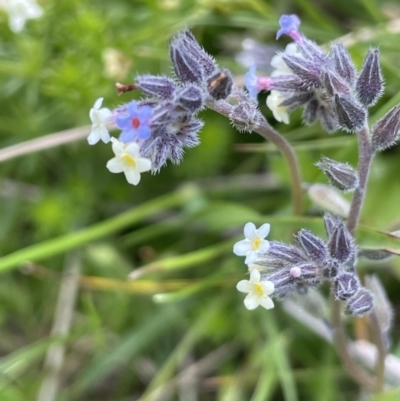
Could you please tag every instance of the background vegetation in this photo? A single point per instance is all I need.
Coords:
(179, 330)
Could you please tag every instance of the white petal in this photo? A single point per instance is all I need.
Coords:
(244, 286)
(242, 247)
(116, 165)
(133, 149)
(94, 136)
(268, 287)
(264, 246)
(117, 146)
(251, 257)
(132, 176)
(250, 231)
(251, 301)
(143, 164)
(104, 115)
(255, 276)
(97, 103)
(292, 50)
(266, 302)
(16, 23)
(104, 134)
(263, 231)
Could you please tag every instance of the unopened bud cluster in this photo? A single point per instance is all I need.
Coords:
(309, 263)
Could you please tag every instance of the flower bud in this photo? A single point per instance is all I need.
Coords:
(329, 199)
(360, 303)
(190, 98)
(219, 85)
(385, 131)
(331, 268)
(151, 85)
(313, 246)
(330, 222)
(190, 44)
(309, 72)
(245, 116)
(280, 255)
(341, 175)
(369, 85)
(343, 63)
(351, 116)
(346, 285)
(186, 67)
(309, 273)
(334, 84)
(341, 244)
(284, 282)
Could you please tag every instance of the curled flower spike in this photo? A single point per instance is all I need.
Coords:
(99, 116)
(127, 160)
(289, 26)
(254, 244)
(258, 291)
(134, 122)
(255, 84)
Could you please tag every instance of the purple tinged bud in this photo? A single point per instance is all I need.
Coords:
(340, 175)
(310, 273)
(161, 87)
(288, 254)
(190, 98)
(328, 118)
(313, 246)
(186, 67)
(307, 71)
(245, 116)
(360, 303)
(334, 84)
(341, 244)
(386, 131)
(346, 285)
(219, 85)
(343, 63)
(289, 82)
(331, 268)
(289, 26)
(190, 44)
(369, 85)
(330, 222)
(310, 112)
(351, 115)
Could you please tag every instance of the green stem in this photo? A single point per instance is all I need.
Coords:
(267, 132)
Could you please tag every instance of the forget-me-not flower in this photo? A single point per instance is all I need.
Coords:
(100, 116)
(134, 122)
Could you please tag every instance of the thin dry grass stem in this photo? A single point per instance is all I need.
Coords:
(61, 326)
(44, 142)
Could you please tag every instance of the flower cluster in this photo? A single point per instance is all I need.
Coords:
(165, 122)
(327, 86)
(282, 269)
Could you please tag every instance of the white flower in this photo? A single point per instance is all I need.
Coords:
(279, 64)
(127, 160)
(254, 244)
(274, 99)
(21, 10)
(257, 290)
(99, 117)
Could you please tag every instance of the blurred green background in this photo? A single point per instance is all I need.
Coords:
(180, 330)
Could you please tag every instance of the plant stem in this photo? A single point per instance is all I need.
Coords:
(340, 341)
(382, 350)
(267, 132)
(366, 155)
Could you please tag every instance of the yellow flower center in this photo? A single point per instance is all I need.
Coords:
(258, 289)
(256, 243)
(129, 160)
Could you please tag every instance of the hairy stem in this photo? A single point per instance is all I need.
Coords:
(267, 132)
(366, 155)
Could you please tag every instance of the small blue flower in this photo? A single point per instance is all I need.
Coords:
(134, 122)
(289, 26)
(251, 81)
